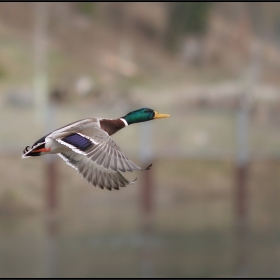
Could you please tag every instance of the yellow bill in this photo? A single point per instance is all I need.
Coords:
(159, 115)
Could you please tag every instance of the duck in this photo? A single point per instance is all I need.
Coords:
(87, 146)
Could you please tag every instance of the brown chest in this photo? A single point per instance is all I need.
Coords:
(111, 126)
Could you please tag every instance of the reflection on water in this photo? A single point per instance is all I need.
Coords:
(98, 233)
(29, 249)
(21, 247)
(205, 247)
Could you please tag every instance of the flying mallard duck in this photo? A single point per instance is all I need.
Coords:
(86, 145)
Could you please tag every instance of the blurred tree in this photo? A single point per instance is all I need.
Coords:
(87, 8)
(186, 18)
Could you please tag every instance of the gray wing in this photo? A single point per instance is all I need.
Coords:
(93, 173)
(108, 154)
(96, 144)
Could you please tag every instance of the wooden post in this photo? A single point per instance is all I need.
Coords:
(51, 185)
(44, 112)
(147, 201)
(242, 163)
(241, 197)
(40, 81)
(147, 182)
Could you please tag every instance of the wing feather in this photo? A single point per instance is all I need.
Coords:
(97, 145)
(93, 173)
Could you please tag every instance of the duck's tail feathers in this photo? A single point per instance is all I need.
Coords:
(35, 151)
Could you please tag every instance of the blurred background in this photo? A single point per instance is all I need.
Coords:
(209, 206)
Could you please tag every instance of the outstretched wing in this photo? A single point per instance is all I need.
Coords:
(91, 151)
(96, 145)
(94, 173)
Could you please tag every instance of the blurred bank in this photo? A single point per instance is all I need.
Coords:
(209, 205)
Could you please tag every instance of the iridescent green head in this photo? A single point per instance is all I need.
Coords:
(143, 115)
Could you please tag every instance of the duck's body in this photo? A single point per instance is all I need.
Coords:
(86, 145)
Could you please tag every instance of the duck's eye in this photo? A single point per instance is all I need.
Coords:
(146, 111)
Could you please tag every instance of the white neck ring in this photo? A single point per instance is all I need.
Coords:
(124, 121)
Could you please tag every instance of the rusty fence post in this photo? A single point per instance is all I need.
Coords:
(147, 202)
(241, 186)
